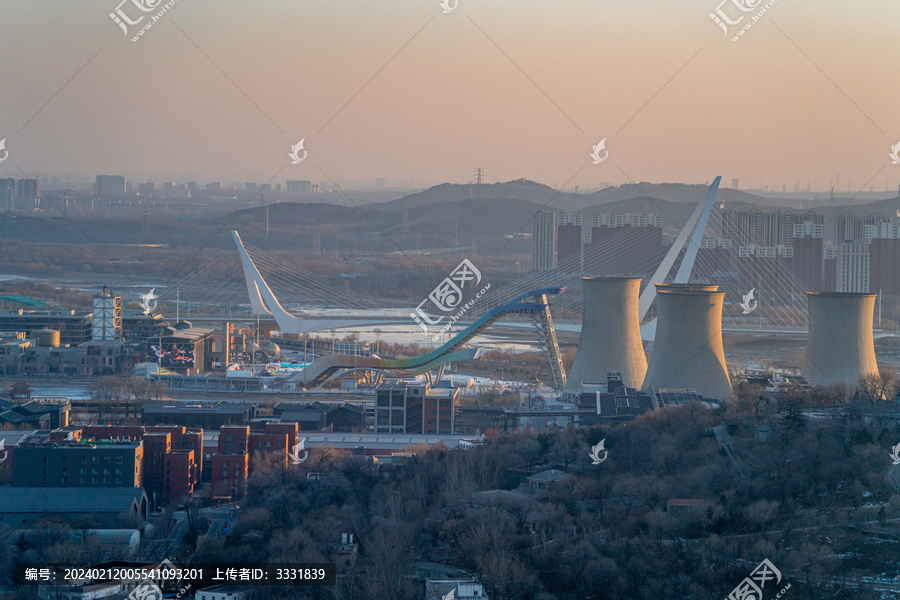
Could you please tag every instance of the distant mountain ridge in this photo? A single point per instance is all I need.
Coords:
(540, 194)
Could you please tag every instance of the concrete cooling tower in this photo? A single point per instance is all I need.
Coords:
(610, 333)
(841, 345)
(688, 352)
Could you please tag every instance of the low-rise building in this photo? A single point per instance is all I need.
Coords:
(229, 474)
(77, 464)
(614, 402)
(180, 468)
(103, 357)
(309, 417)
(186, 350)
(414, 407)
(680, 505)
(348, 417)
(74, 327)
(268, 443)
(35, 415)
(546, 479)
(52, 360)
(186, 439)
(198, 415)
(343, 554)
(138, 327)
(107, 506)
(170, 466)
(12, 351)
(462, 588)
(222, 592)
(233, 439)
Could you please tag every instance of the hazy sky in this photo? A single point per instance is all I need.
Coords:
(522, 88)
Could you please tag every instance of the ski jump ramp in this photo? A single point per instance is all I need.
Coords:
(533, 303)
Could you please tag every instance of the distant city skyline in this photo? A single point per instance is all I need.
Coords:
(410, 94)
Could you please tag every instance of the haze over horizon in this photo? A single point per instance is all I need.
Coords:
(221, 91)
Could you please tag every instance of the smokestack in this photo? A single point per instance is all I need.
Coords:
(841, 346)
(610, 333)
(688, 351)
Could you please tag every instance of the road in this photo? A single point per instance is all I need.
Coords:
(176, 535)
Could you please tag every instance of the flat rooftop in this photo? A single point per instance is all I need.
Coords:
(351, 441)
(220, 407)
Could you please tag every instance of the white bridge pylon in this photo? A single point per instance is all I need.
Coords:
(264, 302)
(694, 228)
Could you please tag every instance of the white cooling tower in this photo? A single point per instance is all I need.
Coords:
(688, 351)
(610, 333)
(841, 346)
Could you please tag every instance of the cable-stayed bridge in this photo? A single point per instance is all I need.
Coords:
(301, 302)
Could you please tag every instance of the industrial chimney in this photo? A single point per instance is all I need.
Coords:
(688, 352)
(610, 333)
(841, 346)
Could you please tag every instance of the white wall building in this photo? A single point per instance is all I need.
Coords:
(853, 267)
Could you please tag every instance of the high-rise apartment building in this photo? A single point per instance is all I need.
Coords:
(543, 241)
(298, 188)
(568, 239)
(624, 243)
(849, 228)
(808, 260)
(884, 256)
(147, 189)
(853, 267)
(756, 227)
(7, 194)
(27, 194)
(112, 186)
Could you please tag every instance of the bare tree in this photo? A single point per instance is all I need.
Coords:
(876, 387)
